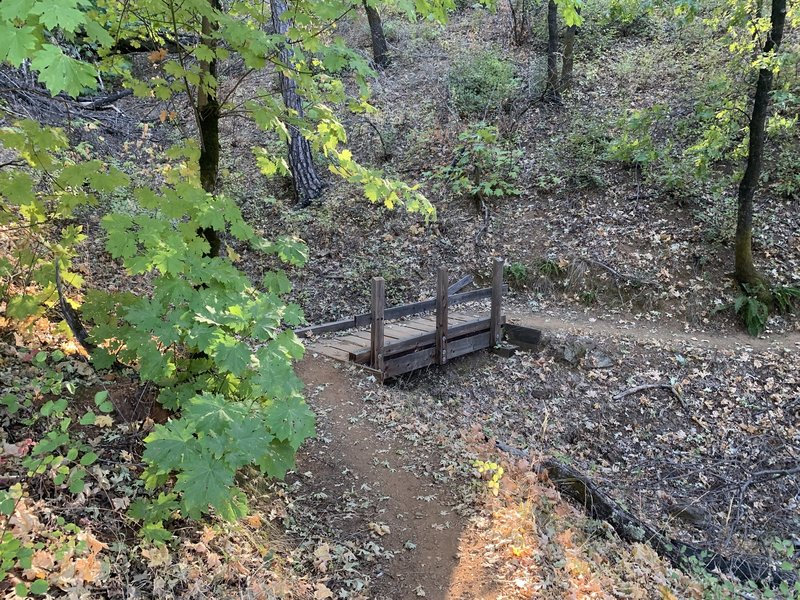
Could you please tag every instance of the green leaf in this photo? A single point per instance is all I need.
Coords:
(275, 377)
(7, 504)
(61, 73)
(21, 590)
(277, 282)
(277, 459)
(39, 586)
(249, 438)
(167, 444)
(120, 243)
(77, 483)
(231, 355)
(293, 315)
(62, 14)
(204, 480)
(290, 344)
(290, 420)
(16, 43)
(11, 403)
(155, 532)
(23, 306)
(212, 413)
(88, 459)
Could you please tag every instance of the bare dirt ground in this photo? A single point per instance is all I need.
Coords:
(380, 488)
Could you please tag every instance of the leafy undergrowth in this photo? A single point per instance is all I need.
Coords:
(71, 461)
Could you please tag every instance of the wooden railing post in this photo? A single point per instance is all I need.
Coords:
(495, 329)
(441, 316)
(376, 326)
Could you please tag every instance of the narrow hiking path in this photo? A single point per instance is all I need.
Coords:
(378, 485)
(617, 326)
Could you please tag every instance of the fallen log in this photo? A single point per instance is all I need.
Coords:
(104, 102)
(570, 482)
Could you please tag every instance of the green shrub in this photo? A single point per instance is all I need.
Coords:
(218, 347)
(485, 166)
(480, 84)
(629, 17)
(634, 144)
(786, 298)
(517, 274)
(753, 312)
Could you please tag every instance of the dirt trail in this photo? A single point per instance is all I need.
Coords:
(644, 331)
(352, 455)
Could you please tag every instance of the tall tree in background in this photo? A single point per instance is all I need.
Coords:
(745, 271)
(551, 91)
(569, 55)
(307, 184)
(380, 49)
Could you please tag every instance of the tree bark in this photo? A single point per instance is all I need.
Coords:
(307, 184)
(520, 23)
(551, 85)
(208, 113)
(745, 271)
(380, 50)
(569, 57)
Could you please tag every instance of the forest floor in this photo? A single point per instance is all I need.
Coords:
(677, 461)
(631, 288)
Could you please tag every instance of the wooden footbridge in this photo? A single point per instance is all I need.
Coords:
(399, 342)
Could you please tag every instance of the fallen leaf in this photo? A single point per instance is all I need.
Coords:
(322, 591)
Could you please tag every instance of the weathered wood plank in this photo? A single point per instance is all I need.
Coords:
(441, 316)
(376, 327)
(424, 340)
(497, 300)
(331, 352)
(366, 335)
(409, 362)
(469, 344)
(329, 327)
(395, 312)
(460, 284)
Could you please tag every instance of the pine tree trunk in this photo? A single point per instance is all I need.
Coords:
(307, 184)
(745, 270)
(380, 50)
(208, 113)
(551, 85)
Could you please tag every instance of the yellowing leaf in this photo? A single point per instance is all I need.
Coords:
(103, 421)
(322, 591)
(156, 556)
(157, 55)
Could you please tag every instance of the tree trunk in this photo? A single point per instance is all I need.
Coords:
(551, 85)
(745, 270)
(520, 24)
(208, 113)
(307, 184)
(569, 57)
(380, 50)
